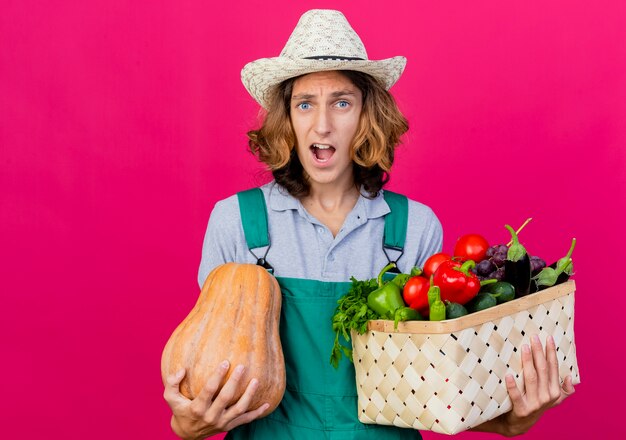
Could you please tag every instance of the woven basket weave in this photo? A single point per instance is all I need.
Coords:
(448, 376)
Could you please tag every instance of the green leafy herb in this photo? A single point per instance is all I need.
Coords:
(352, 313)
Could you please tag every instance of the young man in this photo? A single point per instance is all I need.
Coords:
(329, 138)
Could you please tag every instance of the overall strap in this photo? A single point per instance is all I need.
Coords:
(395, 224)
(254, 221)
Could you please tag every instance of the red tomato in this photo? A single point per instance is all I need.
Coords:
(471, 247)
(433, 262)
(415, 294)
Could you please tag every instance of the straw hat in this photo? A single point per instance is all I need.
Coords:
(322, 40)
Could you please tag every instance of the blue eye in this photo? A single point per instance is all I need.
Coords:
(304, 106)
(343, 104)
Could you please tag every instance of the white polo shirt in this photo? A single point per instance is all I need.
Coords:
(302, 247)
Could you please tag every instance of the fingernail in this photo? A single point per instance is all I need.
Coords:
(551, 339)
(224, 365)
(239, 369)
(525, 348)
(536, 339)
(180, 373)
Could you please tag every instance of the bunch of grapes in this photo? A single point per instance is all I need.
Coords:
(493, 264)
(536, 264)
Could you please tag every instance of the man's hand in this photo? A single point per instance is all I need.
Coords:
(542, 390)
(211, 412)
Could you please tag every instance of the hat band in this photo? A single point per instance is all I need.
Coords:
(334, 57)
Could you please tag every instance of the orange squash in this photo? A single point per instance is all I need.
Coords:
(236, 317)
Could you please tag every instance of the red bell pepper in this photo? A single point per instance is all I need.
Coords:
(456, 282)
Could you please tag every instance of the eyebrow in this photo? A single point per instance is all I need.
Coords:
(337, 94)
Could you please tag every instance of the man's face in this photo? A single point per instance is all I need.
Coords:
(325, 109)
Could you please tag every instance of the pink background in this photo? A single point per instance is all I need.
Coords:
(122, 122)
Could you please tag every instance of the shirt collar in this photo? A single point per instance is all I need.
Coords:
(281, 200)
(376, 207)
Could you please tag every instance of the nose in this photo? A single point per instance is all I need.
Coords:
(322, 123)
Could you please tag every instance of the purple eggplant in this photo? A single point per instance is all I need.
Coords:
(557, 273)
(517, 269)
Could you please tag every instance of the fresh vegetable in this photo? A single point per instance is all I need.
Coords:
(455, 310)
(437, 308)
(434, 292)
(471, 247)
(415, 294)
(565, 264)
(501, 291)
(456, 282)
(482, 301)
(433, 262)
(549, 276)
(493, 265)
(516, 251)
(365, 301)
(517, 270)
(405, 314)
(387, 298)
(352, 313)
(519, 230)
(401, 279)
(447, 288)
(246, 302)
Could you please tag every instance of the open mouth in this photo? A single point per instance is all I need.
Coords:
(322, 152)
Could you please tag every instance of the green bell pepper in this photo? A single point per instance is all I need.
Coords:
(387, 298)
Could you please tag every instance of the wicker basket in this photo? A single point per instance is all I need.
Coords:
(448, 376)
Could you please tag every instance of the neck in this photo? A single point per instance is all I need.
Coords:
(331, 204)
(331, 198)
(337, 193)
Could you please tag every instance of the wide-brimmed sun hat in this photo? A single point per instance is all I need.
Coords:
(322, 40)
